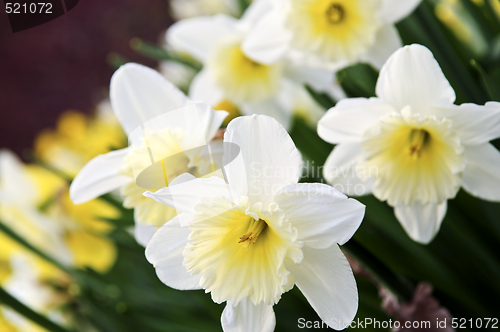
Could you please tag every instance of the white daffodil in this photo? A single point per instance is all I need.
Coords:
(329, 33)
(411, 146)
(182, 9)
(143, 100)
(19, 201)
(251, 239)
(230, 75)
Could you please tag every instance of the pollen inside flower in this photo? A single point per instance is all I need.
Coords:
(333, 30)
(156, 146)
(241, 254)
(335, 13)
(256, 227)
(241, 78)
(418, 159)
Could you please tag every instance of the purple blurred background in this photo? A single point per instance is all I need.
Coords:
(62, 64)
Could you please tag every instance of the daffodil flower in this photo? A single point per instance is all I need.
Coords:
(329, 33)
(230, 75)
(140, 96)
(182, 9)
(19, 200)
(252, 239)
(411, 146)
(70, 234)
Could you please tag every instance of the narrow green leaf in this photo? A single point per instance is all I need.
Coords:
(27, 312)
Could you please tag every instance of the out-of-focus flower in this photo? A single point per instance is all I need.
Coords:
(138, 95)
(178, 73)
(274, 88)
(36, 205)
(77, 139)
(422, 308)
(459, 20)
(31, 280)
(329, 33)
(253, 238)
(411, 146)
(40, 286)
(20, 199)
(182, 9)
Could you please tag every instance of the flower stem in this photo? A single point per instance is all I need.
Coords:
(448, 58)
(27, 312)
(14, 236)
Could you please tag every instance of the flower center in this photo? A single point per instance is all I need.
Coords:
(233, 269)
(419, 139)
(418, 158)
(256, 227)
(240, 78)
(335, 13)
(333, 30)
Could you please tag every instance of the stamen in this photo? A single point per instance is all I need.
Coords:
(335, 13)
(256, 227)
(419, 138)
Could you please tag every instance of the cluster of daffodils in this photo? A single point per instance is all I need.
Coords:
(223, 210)
(233, 219)
(35, 205)
(214, 178)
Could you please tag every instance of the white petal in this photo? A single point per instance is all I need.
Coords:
(481, 177)
(341, 170)
(326, 280)
(186, 195)
(475, 124)
(199, 35)
(164, 251)
(210, 120)
(139, 94)
(14, 183)
(203, 88)
(247, 317)
(393, 11)
(321, 214)
(255, 12)
(144, 233)
(413, 77)
(271, 159)
(101, 175)
(421, 222)
(269, 40)
(274, 107)
(387, 42)
(350, 118)
(319, 79)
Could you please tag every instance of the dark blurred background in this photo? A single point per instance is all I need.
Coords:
(64, 64)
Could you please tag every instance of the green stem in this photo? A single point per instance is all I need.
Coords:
(14, 236)
(27, 312)
(32, 157)
(484, 78)
(158, 53)
(449, 57)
